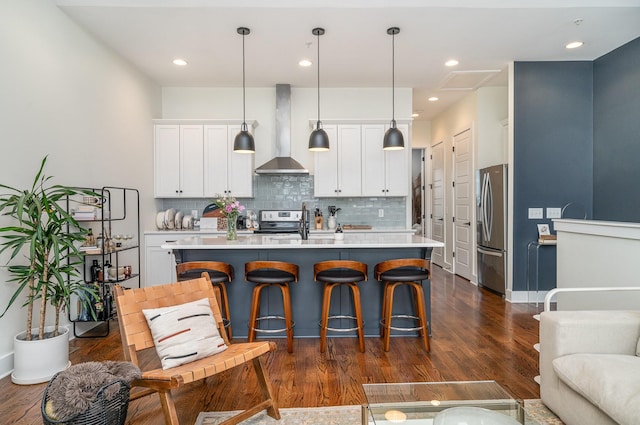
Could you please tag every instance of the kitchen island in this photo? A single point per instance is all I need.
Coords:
(306, 295)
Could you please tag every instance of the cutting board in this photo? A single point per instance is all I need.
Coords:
(356, 227)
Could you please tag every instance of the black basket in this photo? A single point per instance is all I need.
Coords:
(101, 411)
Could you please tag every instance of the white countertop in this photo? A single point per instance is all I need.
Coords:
(351, 240)
(250, 232)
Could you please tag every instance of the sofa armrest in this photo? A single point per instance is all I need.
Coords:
(596, 332)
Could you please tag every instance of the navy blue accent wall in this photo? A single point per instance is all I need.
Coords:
(616, 140)
(553, 152)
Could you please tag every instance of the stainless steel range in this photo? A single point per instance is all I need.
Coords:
(279, 221)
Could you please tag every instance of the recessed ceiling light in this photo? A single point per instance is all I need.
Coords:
(574, 45)
(451, 62)
(179, 62)
(433, 99)
(305, 63)
(415, 115)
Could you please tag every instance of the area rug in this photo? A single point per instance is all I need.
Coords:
(535, 414)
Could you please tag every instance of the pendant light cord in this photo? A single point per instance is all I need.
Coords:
(244, 114)
(393, 78)
(318, 45)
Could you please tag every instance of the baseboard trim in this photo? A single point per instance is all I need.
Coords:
(526, 297)
(6, 365)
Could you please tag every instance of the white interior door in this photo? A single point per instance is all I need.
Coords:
(437, 201)
(463, 204)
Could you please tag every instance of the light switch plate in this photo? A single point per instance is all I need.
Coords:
(554, 212)
(536, 213)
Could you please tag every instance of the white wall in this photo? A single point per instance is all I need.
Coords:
(336, 103)
(66, 95)
(483, 111)
(492, 112)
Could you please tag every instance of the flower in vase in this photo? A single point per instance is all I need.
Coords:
(230, 206)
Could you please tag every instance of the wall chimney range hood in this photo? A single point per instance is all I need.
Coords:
(283, 163)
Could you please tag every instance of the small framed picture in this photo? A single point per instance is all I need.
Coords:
(543, 229)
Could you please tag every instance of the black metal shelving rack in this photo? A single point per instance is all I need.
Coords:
(117, 206)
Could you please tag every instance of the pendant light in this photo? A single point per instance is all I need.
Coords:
(319, 140)
(393, 139)
(244, 142)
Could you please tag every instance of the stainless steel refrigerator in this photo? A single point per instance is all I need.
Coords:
(491, 201)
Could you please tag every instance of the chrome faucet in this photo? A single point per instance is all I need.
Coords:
(304, 223)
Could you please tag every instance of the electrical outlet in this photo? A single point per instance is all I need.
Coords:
(536, 213)
(194, 213)
(380, 213)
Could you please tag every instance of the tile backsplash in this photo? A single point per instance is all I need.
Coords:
(284, 191)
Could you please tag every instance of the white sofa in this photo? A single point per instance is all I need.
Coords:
(590, 366)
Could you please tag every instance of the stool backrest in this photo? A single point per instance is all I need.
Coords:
(277, 265)
(204, 266)
(339, 264)
(420, 263)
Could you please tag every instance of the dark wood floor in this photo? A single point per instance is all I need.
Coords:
(476, 336)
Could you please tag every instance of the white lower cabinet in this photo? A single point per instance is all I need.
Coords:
(160, 264)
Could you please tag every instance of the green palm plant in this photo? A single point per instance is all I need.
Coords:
(46, 236)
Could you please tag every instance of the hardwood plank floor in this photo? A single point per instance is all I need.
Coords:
(476, 336)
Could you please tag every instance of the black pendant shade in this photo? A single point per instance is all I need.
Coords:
(244, 142)
(319, 139)
(393, 139)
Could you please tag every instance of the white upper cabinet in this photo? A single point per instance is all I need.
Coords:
(178, 162)
(226, 172)
(338, 172)
(384, 173)
(197, 161)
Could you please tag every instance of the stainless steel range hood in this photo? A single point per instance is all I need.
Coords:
(283, 163)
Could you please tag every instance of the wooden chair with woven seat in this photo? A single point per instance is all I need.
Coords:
(136, 337)
(220, 274)
(404, 271)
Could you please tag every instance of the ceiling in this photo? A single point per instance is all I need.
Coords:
(356, 51)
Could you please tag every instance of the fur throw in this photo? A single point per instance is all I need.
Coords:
(72, 391)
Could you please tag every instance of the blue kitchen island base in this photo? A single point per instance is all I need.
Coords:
(306, 295)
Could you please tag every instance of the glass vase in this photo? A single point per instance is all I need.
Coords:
(232, 228)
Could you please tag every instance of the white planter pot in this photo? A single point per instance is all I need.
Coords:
(37, 361)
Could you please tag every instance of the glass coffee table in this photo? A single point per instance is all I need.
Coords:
(421, 402)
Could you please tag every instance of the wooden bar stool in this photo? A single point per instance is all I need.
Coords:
(407, 271)
(220, 274)
(336, 273)
(265, 274)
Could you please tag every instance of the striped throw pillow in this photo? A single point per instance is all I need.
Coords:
(184, 333)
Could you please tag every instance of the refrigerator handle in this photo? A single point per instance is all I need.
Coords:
(489, 208)
(492, 253)
(485, 217)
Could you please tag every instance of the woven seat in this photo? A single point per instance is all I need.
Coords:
(136, 336)
(406, 271)
(336, 273)
(219, 274)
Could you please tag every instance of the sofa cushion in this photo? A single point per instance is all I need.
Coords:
(184, 333)
(609, 381)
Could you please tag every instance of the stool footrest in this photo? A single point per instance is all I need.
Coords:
(338, 317)
(403, 329)
(271, 331)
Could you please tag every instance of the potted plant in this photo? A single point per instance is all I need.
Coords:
(43, 260)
